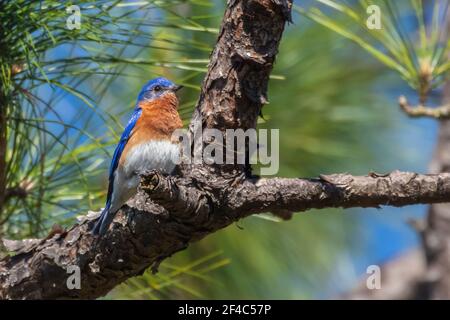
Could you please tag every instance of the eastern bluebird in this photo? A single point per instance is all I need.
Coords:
(145, 144)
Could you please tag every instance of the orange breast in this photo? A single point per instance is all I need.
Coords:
(159, 119)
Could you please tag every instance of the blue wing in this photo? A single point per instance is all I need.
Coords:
(106, 216)
(119, 149)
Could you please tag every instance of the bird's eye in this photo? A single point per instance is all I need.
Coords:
(157, 88)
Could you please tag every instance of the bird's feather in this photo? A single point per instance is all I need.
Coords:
(114, 163)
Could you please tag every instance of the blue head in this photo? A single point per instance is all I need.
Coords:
(156, 88)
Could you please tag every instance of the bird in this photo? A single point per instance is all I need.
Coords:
(145, 144)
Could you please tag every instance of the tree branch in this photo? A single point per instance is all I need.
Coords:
(145, 233)
(341, 190)
(442, 112)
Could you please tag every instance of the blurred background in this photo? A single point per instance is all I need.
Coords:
(69, 93)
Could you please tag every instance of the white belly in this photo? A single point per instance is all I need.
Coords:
(155, 155)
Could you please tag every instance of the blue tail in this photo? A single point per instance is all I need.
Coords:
(104, 221)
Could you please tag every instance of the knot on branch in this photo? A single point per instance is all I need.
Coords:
(339, 179)
(338, 185)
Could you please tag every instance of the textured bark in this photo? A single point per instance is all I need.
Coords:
(145, 233)
(235, 87)
(340, 190)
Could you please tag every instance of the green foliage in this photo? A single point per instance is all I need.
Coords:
(420, 60)
(174, 281)
(55, 84)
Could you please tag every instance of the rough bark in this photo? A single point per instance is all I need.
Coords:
(340, 190)
(235, 87)
(146, 232)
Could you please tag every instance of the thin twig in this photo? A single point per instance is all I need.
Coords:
(442, 112)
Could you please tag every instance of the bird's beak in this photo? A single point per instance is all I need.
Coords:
(176, 88)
